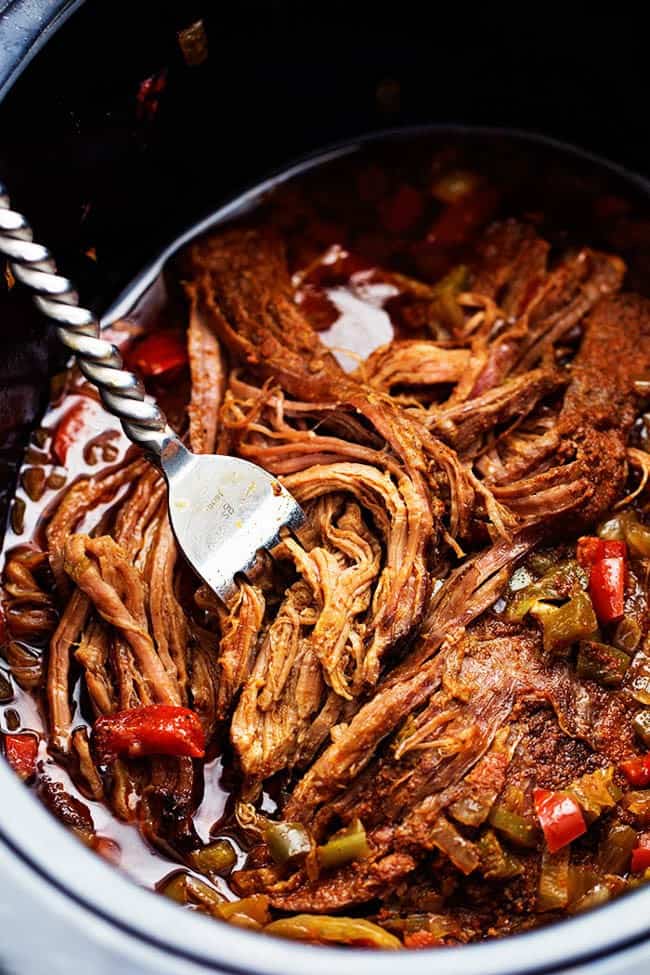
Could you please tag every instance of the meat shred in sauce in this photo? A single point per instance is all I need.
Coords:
(424, 721)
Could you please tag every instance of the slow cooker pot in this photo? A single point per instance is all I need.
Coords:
(102, 166)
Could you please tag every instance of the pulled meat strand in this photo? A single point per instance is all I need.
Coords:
(101, 570)
(208, 374)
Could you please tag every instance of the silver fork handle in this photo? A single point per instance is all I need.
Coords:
(79, 330)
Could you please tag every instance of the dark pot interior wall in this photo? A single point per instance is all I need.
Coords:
(100, 177)
(280, 80)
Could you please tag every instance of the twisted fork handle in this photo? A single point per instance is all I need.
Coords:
(79, 330)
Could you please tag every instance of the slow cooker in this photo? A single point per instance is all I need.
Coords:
(106, 168)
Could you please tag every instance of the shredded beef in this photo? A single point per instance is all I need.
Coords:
(369, 670)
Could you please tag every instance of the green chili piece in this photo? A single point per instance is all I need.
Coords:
(287, 842)
(249, 912)
(217, 859)
(638, 678)
(599, 894)
(321, 928)
(558, 583)
(564, 625)
(628, 635)
(638, 803)
(495, 861)
(513, 826)
(186, 889)
(612, 530)
(641, 724)
(615, 850)
(596, 792)
(553, 891)
(347, 845)
(602, 663)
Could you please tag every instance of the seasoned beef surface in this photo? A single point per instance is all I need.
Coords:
(390, 692)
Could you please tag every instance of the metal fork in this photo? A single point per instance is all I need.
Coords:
(223, 510)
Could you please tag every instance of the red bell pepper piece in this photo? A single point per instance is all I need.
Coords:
(459, 221)
(637, 770)
(560, 816)
(607, 570)
(591, 550)
(607, 588)
(154, 729)
(402, 210)
(421, 939)
(21, 752)
(74, 426)
(160, 353)
(641, 854)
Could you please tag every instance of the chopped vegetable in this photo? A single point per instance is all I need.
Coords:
(616, 849)
(288, 843)
(183, 888)
(459, 220)
(637, 770)
(607, 588)
(347, 845)
(495, 861)
(638, 538)
(155, 729)
(6, 690)
(461, 851)
(598, 895)
(641, 724)
(149, 94)
(441, 925)
(33, 481)
(18, 510)
(513, 826)
(582, 878)
(21, 752)
(638, 803)
(455, 185)
(421, 939)
(641, 854)
(628, 635)
(592, 550)
(627, 526)
(453, 282)
(564, 625)
(606, 559)
(595, 792)
(485, 780)
(12, 719)
(402, 210)
(559, 582)
(602, 663)
(553, 890)
(319, 928)
(217, 859)
(638, 677)
(160, 354)
(75, 427)
(249, 912)
(193, 42)
(560, 816)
